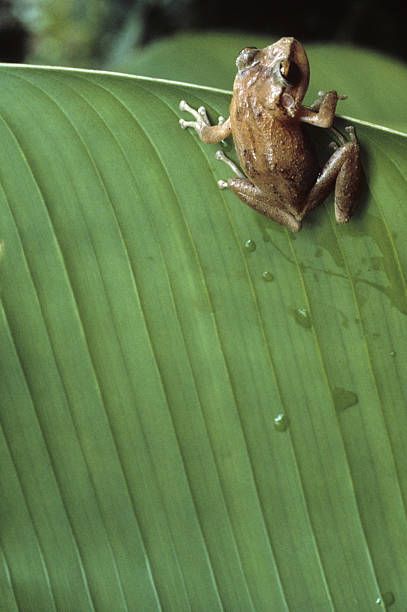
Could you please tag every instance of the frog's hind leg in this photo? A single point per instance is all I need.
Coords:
(253, 196)
(342, 170)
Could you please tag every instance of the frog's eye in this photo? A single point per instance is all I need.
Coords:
(290, 73)
(246, 58)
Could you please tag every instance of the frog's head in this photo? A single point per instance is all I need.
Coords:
(275, 77)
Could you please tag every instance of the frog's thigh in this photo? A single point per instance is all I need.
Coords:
(253, 196)
(343, 170)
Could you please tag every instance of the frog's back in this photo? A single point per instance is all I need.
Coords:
(275, 155)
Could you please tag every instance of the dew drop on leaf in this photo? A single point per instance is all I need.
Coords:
(387, 599)
(267, 276)
(303, 318)
(281, 422)
(250, 245)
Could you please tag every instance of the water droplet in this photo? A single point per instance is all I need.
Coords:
(250, 245)
(343, 398)
(302, 317)
(387, 599)
(392, 353)
(267, 276)
(281, 422)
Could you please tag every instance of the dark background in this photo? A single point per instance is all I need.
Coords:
(28, 26)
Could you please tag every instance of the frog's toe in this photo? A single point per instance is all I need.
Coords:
(184, 106)
(350, 130)
(203, 115)
(184, 124)
(342, 217)
(220, 156)
(295, 225)
(333, 145)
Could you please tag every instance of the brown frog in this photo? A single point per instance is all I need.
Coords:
(281, 177)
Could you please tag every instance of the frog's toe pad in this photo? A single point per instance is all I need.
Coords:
(350, 130)
(342, 217)
(222, 184)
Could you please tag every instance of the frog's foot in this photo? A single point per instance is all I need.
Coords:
(340, 138)
(208, 133)
(343, 171)
(315, 106)
(253, 196)
(200, 115)
(220, 156)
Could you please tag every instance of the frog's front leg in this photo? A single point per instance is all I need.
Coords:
(322, 112)
(342, 170)
(208, 133)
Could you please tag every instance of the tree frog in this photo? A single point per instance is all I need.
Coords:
(281, 176)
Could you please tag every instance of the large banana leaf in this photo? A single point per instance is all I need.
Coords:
(178, 431)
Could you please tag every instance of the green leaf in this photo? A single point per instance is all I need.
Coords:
(178, 432)
(376, 85)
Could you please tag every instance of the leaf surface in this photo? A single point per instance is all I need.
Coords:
(145, 359)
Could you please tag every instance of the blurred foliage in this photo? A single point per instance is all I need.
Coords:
(13, 35)
(65, 31)
(95, 33)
